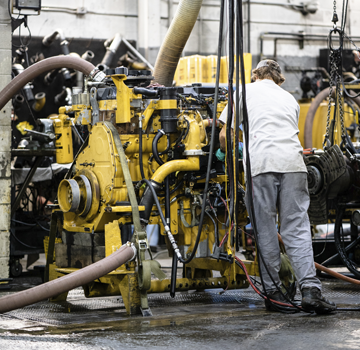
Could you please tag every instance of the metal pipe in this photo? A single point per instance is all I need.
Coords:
(189, 164)
(43, 66)
(111, 49)
(137, 53)
(73, 280)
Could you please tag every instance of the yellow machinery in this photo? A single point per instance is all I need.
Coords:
(313, 116)
(202, 69)
(102, 199)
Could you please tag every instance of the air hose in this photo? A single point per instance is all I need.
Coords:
(175, 40)
(73, 280)
(46, 65)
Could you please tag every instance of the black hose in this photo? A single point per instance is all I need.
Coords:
(230, 110)
(173, 275)
(157, 137)
(141, 152)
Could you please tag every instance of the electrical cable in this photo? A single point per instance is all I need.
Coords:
(141, 151)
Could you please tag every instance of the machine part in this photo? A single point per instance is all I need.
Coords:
(42, 137)
(328, 176)
(50, 77)
(86, 194)
(73, 280)
(18, 100)
(315, 180)
(69, 195)
(355, 218)
(137, 53)
(94, 105)
(97, 75)
(347, 245)
(40, 100)
(18, 69)
(88, 56)
(44, 66)
(168, 116)
(175, 40)
(111, 49)
(63, 143)
(57, 34)
(60, 98)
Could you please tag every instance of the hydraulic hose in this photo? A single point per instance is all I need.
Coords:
(73, 280)
(329, 271)
(41, 67)
(175, 40)
(154, 146)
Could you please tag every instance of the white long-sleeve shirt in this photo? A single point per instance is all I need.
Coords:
(273, 115)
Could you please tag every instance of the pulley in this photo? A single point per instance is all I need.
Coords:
(75, 195)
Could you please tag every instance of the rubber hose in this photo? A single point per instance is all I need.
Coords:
(68, 282)
(175, 40)
(39, 68)
(173, 275)
(154, 146)
(309, 121)
(329, 271)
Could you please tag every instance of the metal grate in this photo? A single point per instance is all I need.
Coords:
(78, 309)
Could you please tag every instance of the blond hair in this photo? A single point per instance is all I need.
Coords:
(268, 70)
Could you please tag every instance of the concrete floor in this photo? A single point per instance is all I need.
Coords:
(193, 320)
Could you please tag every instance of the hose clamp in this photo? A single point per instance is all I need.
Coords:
(97, 75)
(132, 246)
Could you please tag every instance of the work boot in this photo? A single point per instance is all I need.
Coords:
(312, 300)
(277, 296)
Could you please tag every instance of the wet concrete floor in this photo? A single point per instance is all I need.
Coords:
(193, 320)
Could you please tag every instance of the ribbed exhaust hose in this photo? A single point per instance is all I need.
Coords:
(41, 67)
(175, 40)
(68, 282)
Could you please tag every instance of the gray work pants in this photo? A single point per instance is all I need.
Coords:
(287, 192)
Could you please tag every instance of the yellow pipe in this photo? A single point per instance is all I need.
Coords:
(190, 164)
(40, 99)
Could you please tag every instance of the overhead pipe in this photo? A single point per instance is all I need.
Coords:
(57, 34)
(111, 47)
(73, 280)
(44, 66)
(175, 40)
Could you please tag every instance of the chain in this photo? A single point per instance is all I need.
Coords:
(331, 82)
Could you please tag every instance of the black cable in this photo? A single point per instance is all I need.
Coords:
(141, 153)
(157, 137)
(230, 111)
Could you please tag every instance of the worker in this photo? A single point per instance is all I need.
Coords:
(279, 182)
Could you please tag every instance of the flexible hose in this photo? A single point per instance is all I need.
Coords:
(157, 137)
(175, 40)
(321, 96)
(329, 271)
(39, 68)
(68, 282)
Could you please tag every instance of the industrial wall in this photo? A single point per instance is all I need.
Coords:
(147, 21)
